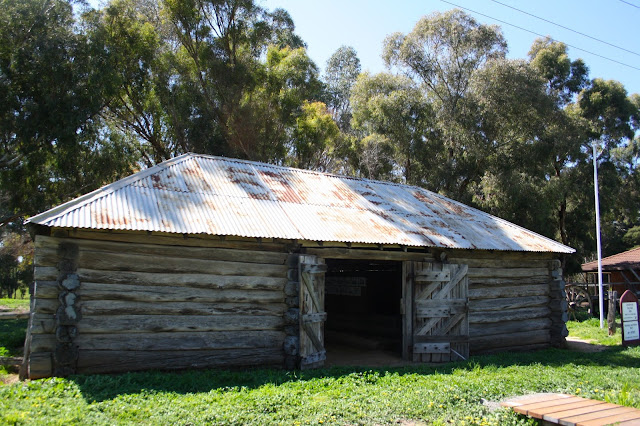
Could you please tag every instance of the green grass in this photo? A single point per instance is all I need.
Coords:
(7, 304)
(452, 393)
(590, 331)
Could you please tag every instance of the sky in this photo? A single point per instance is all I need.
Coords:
(363, 24)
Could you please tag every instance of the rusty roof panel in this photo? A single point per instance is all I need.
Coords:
(195, 194)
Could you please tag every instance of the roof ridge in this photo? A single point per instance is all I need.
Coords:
(315, 172)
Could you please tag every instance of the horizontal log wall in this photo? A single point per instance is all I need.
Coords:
(160, 303)
(509, 299)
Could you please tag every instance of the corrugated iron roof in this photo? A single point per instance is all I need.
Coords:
(629, 259)
(199, 194)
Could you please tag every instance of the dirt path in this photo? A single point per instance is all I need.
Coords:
(580, 345)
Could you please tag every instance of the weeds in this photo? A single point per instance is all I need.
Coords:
(453, 393)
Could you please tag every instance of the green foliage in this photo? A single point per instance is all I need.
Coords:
(12, 335)
(16, 264)
(393, 106)
(452, 393)
(341, 73)
(315, 138)
(54, 85)
(623, 396)
(565, 77)
(252, 104)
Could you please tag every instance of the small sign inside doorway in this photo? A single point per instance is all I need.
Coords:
(345, 286)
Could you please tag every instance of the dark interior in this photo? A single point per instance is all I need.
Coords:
(362, 301)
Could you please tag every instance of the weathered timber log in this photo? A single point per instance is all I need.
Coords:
(494, 282)
(531, 273)
(46, 290)
(498, 262)
(122, 361)
(511, 291)
(168, 239)
(224, 254)
(45, 306)
(10, 361)
(167, 323)
(125, 307)
(341, 244)
(45, 273)
(183, 279)
(99, 291)
(511, 340)
(148, 263)
(507, 303)
(42, 342)
(508, 315)
(507, 327)
(346, 253)
(184, 341)
(40, 365)
(13, 315)
(173, 279)
(455, 255)
(42, 323)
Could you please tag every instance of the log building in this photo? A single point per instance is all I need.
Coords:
(205, 261)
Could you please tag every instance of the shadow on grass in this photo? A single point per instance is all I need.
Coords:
(104, 387)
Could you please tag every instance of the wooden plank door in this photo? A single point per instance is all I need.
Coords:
(438, 322)
(312, 313)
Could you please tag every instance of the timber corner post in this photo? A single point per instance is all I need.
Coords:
(558, 305)
(292, 314)
(65, 356)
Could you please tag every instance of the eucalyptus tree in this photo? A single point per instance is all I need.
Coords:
(341, 73)
(611, 120)
(587, 111)
(441, 55)
(515, 113)
(222, 49)
(53, 86)
(394, 107)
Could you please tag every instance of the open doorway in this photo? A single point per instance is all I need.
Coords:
(364, 321)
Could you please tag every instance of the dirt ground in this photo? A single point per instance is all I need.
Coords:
(345, 355)
(579, 345)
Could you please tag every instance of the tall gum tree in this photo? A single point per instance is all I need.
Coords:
(441, 55)
(393, 106)
(341, 73)
(223, 46)
(53, 86)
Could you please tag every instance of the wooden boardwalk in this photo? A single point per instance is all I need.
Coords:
(571, 410)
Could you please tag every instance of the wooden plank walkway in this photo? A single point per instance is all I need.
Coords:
(568, 410)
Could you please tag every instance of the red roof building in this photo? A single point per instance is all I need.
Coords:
(621, 270)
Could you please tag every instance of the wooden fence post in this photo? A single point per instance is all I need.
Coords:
(611, 312)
